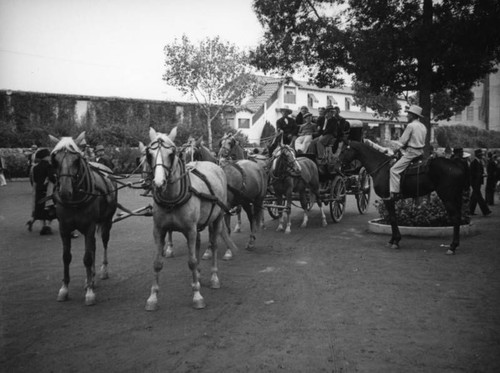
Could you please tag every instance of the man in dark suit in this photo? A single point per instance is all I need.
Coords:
(287, 127)
(476, 180)
(320, 122)
(101, 158)
(299, 119)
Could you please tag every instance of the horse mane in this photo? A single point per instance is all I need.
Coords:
(67, 143)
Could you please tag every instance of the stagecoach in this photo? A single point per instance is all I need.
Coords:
(337, 181)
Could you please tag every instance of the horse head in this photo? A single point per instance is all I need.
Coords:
(162, 155)
(284, 162)
(226, 144)
(70, 165)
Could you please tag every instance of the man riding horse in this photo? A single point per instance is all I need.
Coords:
(413, 142)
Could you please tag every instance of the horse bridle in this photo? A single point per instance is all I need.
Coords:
(227, 144)
(277, 174)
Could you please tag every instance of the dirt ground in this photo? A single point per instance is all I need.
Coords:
(332, 299)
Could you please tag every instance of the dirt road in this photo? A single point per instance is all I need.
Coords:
(332, 299)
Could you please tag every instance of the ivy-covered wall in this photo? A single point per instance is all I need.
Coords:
(28, 118)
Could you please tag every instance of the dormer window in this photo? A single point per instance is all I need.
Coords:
(290, 95)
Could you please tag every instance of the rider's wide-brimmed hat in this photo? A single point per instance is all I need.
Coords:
(416, 110)
(286, 109)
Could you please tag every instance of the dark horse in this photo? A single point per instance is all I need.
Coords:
(246, 183)
(86, 199)
(289, 174)
(443, 175)
(187, 199)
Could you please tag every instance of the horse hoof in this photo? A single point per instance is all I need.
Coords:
(250, 247)
(215, 283)
(90, 300)
(288, 231)
(104, 276)
(207, 255)
(228, 255)
(199, 304)
(302, 226)
(168, 254)
(279, 229)
(394, 246)
(62, 296)
(324, 223)
(151, 306)
(450, 252)
(237, 230)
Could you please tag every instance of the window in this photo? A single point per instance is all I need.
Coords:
(330, 100)
(347, 103)
(290, 95)
(458, 117)
(470, 113)
(311, 99)
(243, 123)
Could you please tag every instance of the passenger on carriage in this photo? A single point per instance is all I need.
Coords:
(301, 116)
(287, 127)
(320, 123)
(333, 133)
(413, 142)
(306, 131)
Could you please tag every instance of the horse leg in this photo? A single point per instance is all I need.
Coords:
(193, 262)
(89, 262)
(281, 221)
(252, 219)
(169, 250)
(454, 209)
(323, 216)
(159, 238)
(214, 231)
(396, 235)
(237, 227)
(303, 204)
(105, 229)
(225, 233)
(288, 212)
(66, 241)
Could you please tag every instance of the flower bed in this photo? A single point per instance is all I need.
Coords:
(377, 226)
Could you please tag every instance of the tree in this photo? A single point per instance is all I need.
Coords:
(214, 72)
(392, 47)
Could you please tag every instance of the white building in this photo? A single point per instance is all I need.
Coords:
(280, 92)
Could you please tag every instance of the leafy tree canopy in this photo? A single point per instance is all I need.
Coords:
(214, 72)
(392, 47)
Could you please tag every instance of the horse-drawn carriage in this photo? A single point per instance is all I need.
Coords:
(336, 182)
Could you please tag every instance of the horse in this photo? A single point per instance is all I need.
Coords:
(86, 199)
(192, 151)
(443, 175)
(187, 199)
(289, 174)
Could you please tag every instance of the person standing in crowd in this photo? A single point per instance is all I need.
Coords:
(3, 168)
(44, 178)
(491, 179)
(287, 127)
(412, 142)
(476, 181)
(344, 127)
(101, 158)
(300, 119)
(320, 123)
(306, 131)
(32, 160)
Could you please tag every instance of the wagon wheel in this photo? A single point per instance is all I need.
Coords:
(274, 212)
(364, 191)
(338, 198)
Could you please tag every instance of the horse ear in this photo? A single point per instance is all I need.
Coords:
(173, 134)
(152, 134)
(80, 138)
(54, 139)
(142, 147)
(198, 142)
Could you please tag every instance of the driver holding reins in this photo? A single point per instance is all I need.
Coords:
(413, 142)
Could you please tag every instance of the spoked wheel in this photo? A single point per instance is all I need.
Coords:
(274, 212)
(338, 198)
(364, 191)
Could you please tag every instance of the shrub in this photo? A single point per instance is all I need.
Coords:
(430, 212)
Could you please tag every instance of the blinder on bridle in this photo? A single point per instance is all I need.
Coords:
(156, 145)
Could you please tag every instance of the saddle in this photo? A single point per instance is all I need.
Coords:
(418, 166)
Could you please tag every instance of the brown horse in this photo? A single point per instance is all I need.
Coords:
(443, 175)
(86, 199)
(289, 174)
(186, 200)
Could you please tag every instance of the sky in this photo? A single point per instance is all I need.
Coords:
(109, 47)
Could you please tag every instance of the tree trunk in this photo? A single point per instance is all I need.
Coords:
(209, 129)
(425, 70)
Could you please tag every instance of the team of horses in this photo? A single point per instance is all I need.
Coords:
(193, 189)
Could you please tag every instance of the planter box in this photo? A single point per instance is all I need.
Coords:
(375, 226)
